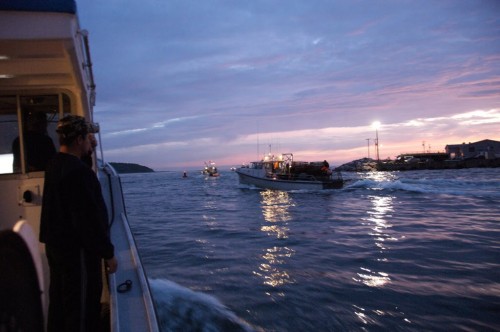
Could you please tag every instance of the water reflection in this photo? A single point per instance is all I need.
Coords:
(382, 211)
(275, 210)
(373, 279)
(275, 205)
(211, 193)
(378, 220)
(380, 176)
(270, 270)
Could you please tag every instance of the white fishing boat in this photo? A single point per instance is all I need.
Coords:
(283, 173)
(210, 169)
(45, 68)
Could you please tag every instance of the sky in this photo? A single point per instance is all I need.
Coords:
(181, 82)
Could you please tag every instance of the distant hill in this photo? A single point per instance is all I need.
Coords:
(130, 168)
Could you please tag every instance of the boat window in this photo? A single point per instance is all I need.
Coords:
(27, 146)
(8, 132)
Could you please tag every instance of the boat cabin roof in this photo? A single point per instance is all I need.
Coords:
(55, 6)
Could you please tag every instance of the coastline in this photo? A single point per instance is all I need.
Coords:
(367, 165)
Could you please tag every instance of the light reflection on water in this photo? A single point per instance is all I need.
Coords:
(270, 270)
(382, 211)
(275, 210)
(380, 177)
(378, 221)
(276, 205)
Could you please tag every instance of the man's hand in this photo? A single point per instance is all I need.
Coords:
(111, 265)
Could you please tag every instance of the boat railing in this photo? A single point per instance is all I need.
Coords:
(304, 176)
(138, 302)
(87, 66)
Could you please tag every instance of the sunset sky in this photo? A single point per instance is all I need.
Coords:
(183, 82)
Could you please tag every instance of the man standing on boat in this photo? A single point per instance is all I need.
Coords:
(74, 228)
(326, 167)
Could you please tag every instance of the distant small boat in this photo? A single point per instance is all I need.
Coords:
(210, 169)
(282, 173)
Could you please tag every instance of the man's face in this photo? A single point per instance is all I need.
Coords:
(93, 141)
(84, 145)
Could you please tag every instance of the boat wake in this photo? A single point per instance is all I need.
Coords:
(388, 185)
(181, 309)
(427, 186)
(249, 186)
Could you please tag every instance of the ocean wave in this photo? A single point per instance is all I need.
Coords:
(181, 309)
(388, 185)
(249, 187)
(429, 186)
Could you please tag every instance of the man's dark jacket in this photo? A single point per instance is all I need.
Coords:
(74, 214)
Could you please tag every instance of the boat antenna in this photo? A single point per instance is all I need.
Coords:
(258, 142)
(100, 147)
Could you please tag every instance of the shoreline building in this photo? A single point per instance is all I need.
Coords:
(488, 149)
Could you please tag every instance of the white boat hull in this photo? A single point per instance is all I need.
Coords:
(258, 178)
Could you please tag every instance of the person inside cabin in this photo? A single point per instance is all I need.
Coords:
(74, 228)
(39, 148)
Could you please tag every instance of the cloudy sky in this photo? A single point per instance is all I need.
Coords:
(181, 82)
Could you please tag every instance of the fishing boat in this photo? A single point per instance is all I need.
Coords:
(283, 173)
(46, 69)
(210, 169)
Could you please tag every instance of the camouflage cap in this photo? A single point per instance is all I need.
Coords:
(74, 125)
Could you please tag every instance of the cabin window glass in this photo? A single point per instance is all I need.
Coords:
(9, 128)
(65, 106)
(39, 116)
(27, 147)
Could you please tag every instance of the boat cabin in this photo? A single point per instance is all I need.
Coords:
(284, 167)
(46, 74)
(28, 130)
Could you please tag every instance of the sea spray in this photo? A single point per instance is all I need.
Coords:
(181, 309)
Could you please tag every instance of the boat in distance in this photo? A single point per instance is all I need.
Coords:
(210, 169)
(283, 173)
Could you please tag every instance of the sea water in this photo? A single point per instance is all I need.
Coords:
(392, 251)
